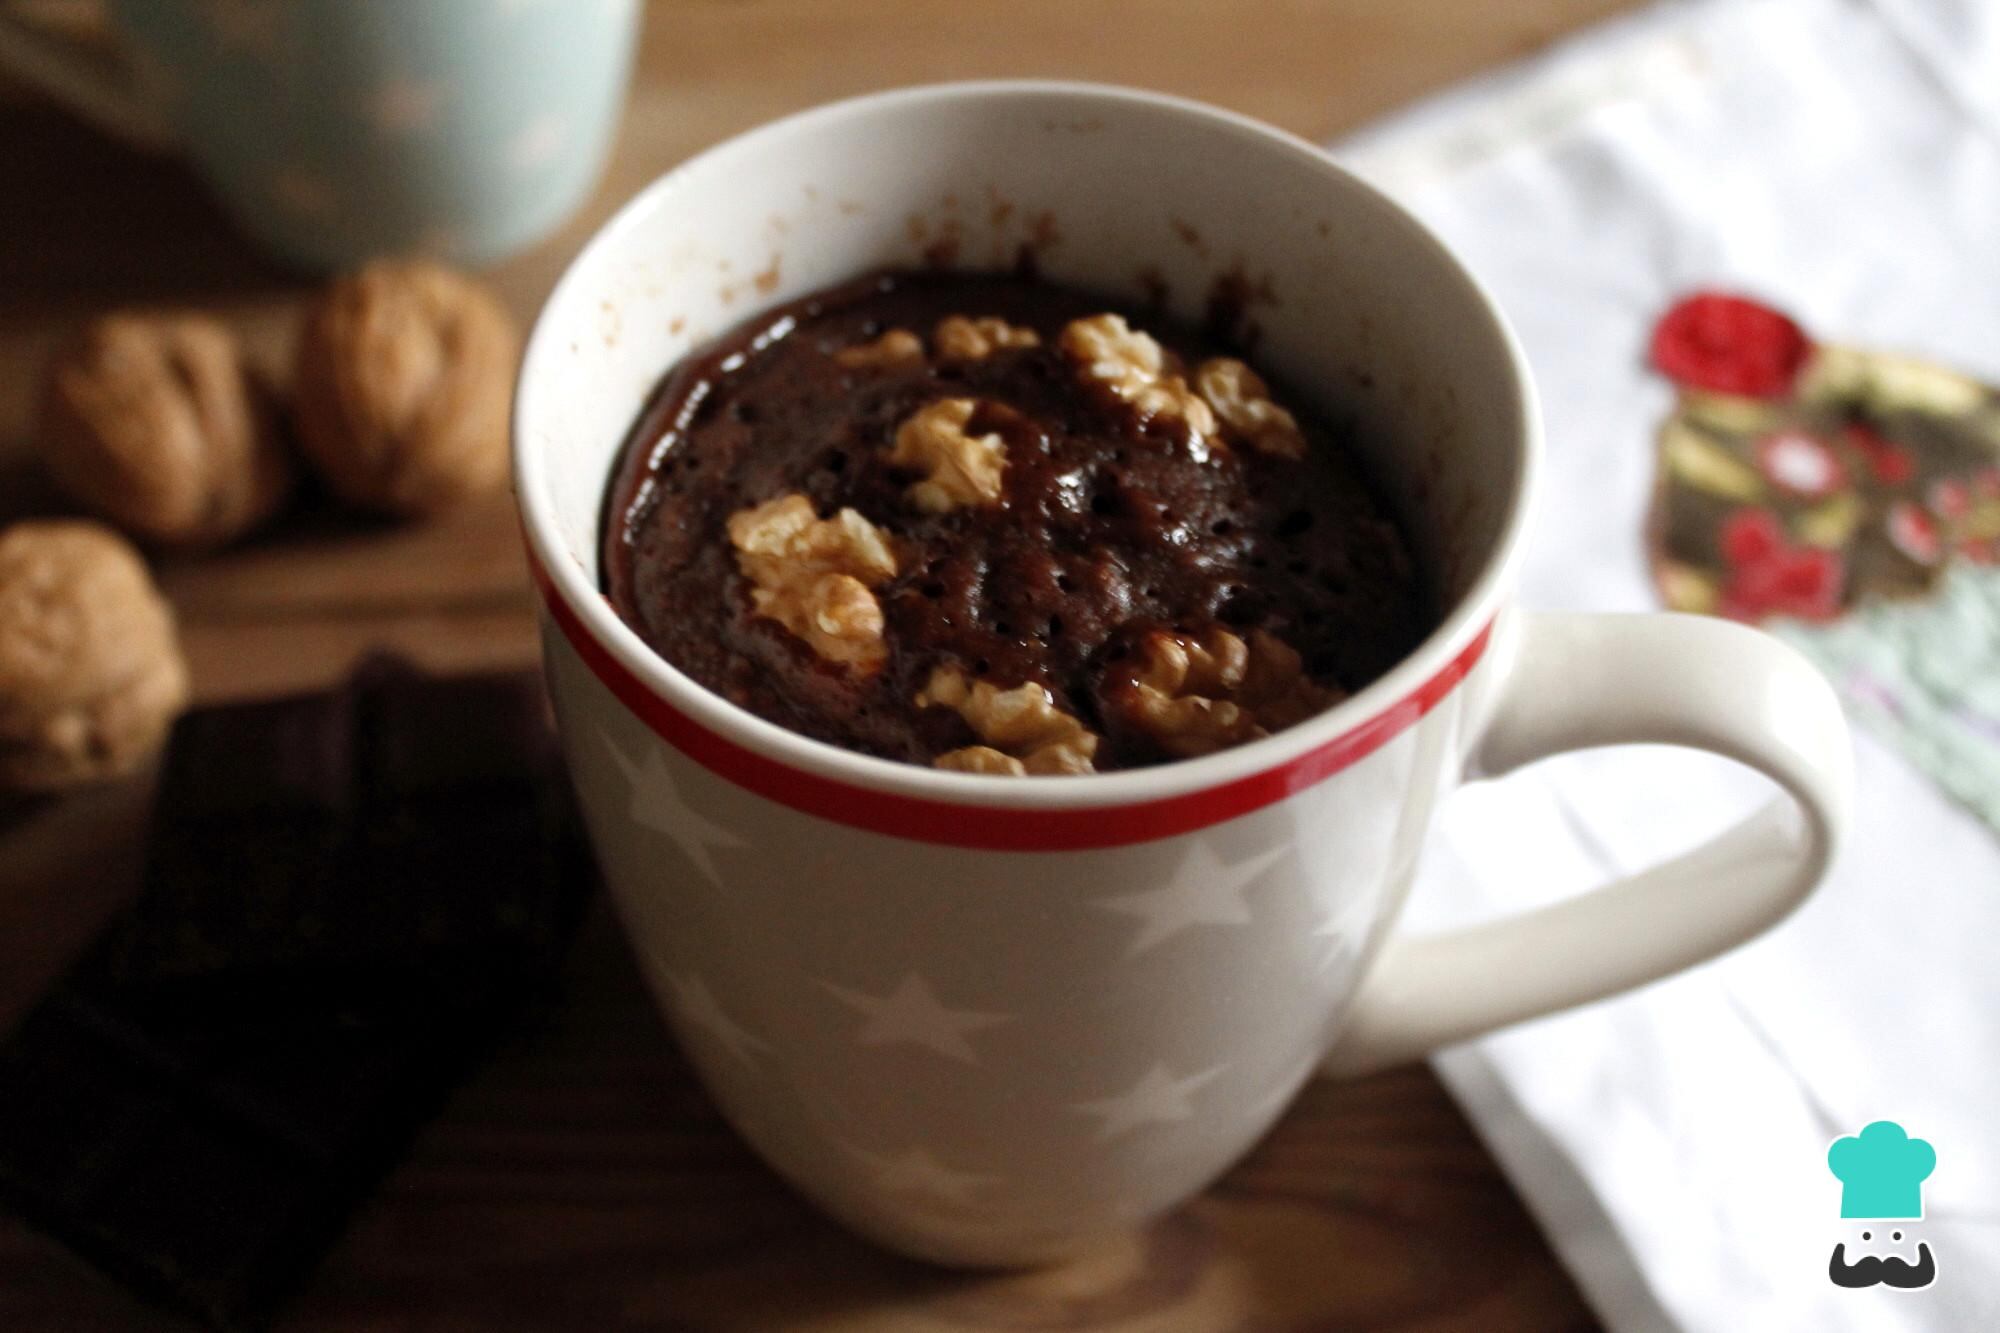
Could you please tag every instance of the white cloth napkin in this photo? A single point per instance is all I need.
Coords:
(1840, 159)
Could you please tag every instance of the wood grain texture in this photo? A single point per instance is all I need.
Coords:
(582, 1181)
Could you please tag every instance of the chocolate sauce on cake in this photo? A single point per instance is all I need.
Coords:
(874, 515)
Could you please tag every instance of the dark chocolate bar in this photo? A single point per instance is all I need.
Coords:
(390, 824)
(349, 899)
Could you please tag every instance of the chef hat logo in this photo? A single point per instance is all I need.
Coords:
(1881, 1171)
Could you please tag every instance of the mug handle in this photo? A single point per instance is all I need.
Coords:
(62, 67)
(1578, 681)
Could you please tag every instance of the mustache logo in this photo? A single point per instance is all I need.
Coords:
(1870, 1271)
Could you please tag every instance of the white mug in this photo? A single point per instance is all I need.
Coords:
(986, 1020)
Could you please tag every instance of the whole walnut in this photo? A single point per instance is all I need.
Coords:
(151, 422)
(404, 380)
(91, 674)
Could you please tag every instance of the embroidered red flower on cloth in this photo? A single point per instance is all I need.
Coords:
(1891, 463)
(1963, 515)
(1769, 576)
(1726, 344)
(1797, 462)
(1951, 497)
(1914, 532)
(1800, 480)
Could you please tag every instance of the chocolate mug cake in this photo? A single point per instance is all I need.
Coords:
(989, 523)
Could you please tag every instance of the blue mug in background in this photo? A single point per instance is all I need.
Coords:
(337, 130)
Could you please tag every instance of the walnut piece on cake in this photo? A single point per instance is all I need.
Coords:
(963, 469)
(1023, 729)
(1276, 687)
(959, 338)
(1131, 367)
(1178, 695)
(1194, 695)
(894, 350)
(1243, 401)
(981, 759)
(814, 576)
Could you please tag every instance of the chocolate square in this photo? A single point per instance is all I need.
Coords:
(349, 899)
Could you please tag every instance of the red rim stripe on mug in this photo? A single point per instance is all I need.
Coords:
(989, 828)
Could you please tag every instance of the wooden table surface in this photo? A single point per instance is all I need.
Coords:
(581, 1180)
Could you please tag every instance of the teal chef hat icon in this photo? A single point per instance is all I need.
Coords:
(1881, 1171)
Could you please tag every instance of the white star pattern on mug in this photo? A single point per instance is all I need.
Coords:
(696, 1004)
(1333, 940)
(1284, 1088)
(911, 1014)
(657, 805)
(1203, 892)
(1157, 1099)
(917, 1171)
